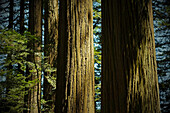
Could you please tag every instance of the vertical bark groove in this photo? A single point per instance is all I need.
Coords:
(75, 75)
(34, 96)
(129, 75)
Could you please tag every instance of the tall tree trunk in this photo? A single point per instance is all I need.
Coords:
(19, 65)
(50, 44)
(11, 13)
(35, 29)
(75, 64)
(129, 70)
(10, 26)
(21, 16)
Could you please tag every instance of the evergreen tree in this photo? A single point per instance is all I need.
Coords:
(50, 43)
(34, 96)
(75, 64)
(129, 70)
(22, 13)
(13, 52)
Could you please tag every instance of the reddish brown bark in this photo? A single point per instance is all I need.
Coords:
(75, 64)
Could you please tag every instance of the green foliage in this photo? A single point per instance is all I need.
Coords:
(13, 61)
(97, 51)
(50, 76)
(52, 81)
(15, 83)
(46, 107)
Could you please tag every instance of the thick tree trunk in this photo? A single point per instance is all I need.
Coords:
(75, 64)
(34, 97)
(50, 43)
(129, 70)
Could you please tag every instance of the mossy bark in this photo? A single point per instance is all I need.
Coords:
(75, 64)
(50, 51)
(129, 70)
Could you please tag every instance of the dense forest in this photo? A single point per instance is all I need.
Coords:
(84, 56)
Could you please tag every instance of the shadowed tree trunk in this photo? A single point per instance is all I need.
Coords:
(22, 16)
(50, 43)
(11, 14)
(129, 70)
(10, 26)
(75, 64)
(34, 96)
(19, 65)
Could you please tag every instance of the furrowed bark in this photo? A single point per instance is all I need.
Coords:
(34, 96)
(129, 70)
(75, 64)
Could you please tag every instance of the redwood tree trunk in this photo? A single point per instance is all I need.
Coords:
(75, 64)
(34, 97)
(129, 70)
(50, 43)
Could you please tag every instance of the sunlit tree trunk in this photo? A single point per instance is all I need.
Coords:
(129, 70)
(75, 64)
(50, 43)
(34, 97)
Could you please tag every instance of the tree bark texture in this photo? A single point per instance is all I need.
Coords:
(34, 97)
(50, 43)
(75, 64)
(129, 70)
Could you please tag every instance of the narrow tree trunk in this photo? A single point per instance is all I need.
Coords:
(21, 26)
(11, 14)
(50, 44)
(19, 65)
(129, 70)
(35, 29)
(75, 64)
(21, 16)
(10, 26)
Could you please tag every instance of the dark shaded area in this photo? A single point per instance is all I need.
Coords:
(161, 10)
